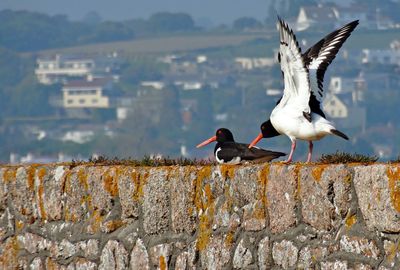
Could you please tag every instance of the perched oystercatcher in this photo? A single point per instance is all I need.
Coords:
(227, 151)
(298, 113)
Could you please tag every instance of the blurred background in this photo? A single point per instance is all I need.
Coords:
(133, 78)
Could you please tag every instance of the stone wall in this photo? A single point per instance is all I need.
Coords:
(270, 216)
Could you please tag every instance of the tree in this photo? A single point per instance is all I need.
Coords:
(171, 22)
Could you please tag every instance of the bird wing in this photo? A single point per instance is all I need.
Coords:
(232, 150)
(318, 57)
(296, 79)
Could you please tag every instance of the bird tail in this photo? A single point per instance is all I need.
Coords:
(339, 133)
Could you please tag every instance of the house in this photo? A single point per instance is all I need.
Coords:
(89, 93)
(340, 109)
(390, 56)
(321, 16)
(247, 63)
(157, 85)
(62, 68)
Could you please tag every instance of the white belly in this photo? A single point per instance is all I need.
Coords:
(296, 126)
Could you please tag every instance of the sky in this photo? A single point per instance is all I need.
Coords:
(218, 11)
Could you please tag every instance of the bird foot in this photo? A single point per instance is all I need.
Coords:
(287, 161)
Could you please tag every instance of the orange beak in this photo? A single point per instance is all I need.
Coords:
(256, 140)
(212, 139)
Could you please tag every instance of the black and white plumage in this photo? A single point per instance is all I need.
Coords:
(227, 151)
(298, 113)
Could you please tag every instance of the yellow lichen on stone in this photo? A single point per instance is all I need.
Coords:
(203, 173)
(227, 171)
(9, 175)
(229, 238)
(110, 182)
(394, 186)
(262, 184)
(205, 228)
(317, 172)
(51, 265)
(392, 251)
(350, 221)
(139, 180)
(163, 264)
(40, 189)
(9, 256)
(82, 177)
(113, 225)
(297, 175)
(19, 225)
(207, 214)
(95, 222)
(30, 177)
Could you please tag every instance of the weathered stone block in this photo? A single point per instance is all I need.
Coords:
(22, 188)
(378, 192)
(156, 202)
(36, 264)
(242, 256)
(308, 256)
(359, 245)
(188, 258)
(78, 198)
(254, 217)
(183, 208)
(285, 254)
(281, 197)
(139, 257)
(264, 254)
(244, 183)
(3, 190)
(216, 255)
(336, 265)
(49, 184)
(160, 255)
(322, 190)
(83, 264)
(130, 184)
(113, 256)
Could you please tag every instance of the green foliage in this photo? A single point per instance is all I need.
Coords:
(342, 157)
(142, 69)
(145, 161)
(108, 32)
(171, 22)
(29, 99)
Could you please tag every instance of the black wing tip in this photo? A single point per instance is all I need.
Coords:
(339, 133)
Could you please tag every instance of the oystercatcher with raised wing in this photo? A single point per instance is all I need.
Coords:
(227, 151)
(298, 113)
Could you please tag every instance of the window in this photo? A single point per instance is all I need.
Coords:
(333, 103)
(82, 101)
(70, 101)
(94, 101)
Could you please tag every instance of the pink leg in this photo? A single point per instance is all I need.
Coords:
(310, 148)
(291, 152)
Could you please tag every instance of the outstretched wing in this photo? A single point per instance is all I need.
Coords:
(319, 56)
(295, 73)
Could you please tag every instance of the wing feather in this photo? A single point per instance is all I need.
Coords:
(318, 57)
(296, 79)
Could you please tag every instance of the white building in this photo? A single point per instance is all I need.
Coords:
(87, 93)
(252, 63)
(61, 68)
